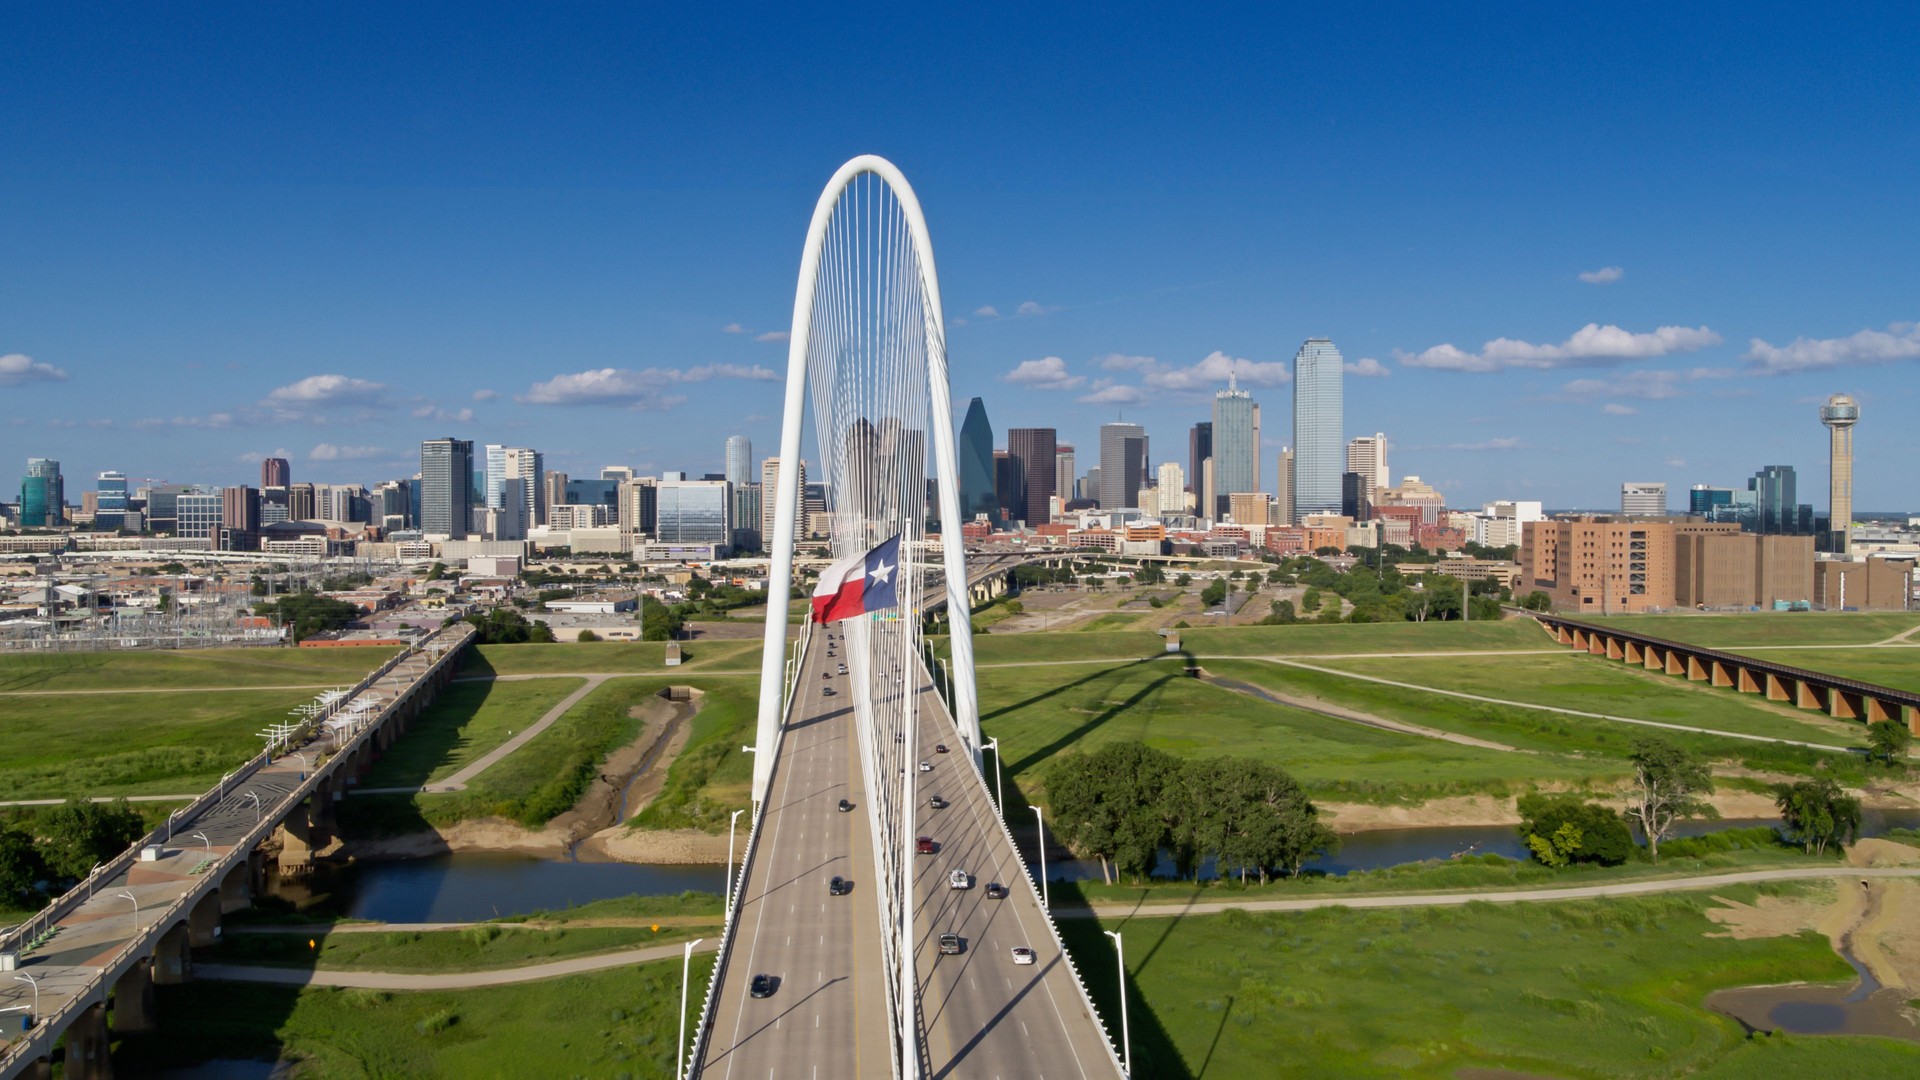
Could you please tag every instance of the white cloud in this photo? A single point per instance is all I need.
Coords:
(1504, 443)
(1108, 392)
(774, 335)
(330, 452)
(213, 421)
(1212, 371)
(435, 412)
(1642, 385)
(1899, 341)
(254, 456)
(1121, 362)
(640, 389)
(1592, 345)
(1606, 275)
(733, 328)
(327, 390)
(1046, 373)
(986, 311)
(1614, 408)
(1367, 368)
(1032, 308)
(16, 368)
(484, 395)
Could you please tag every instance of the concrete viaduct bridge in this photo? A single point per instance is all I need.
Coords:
(95, 954)
(1844, 699)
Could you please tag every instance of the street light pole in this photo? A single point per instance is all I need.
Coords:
(1046, 901)
(136, 908)
(1126, 1039)
(999, 794)
(90, 873)
(35, 983)
(686, 968)
(731, 820)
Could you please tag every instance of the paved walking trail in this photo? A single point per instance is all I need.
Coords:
(1143, 909)
(103, 798)
(168, 690)
(453, 980)
(458, 781)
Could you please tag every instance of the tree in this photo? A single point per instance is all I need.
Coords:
(587, 635)
(1282, 614)
(1183, 580)
(506, 626)
(1537, 601)
(437, 571)
(77, 833)
(1668, 780)
(1083, 818)
(659, 622)
(1888, 740)
(1252, 817)
(21, 867)
(1310, 600)
(1563, 829)
(1214, 594)
(1816, 813)
(305, 614)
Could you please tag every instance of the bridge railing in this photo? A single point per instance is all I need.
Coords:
(95, 985)
(1000, 816)
(702, 1030)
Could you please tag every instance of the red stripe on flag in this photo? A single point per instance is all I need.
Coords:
(846, 603)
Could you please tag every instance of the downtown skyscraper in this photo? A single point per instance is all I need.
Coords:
(977, 495)
(1123, 464)
(740, 461)
(1319, 449)
(446, 487)
(1036, 450)
(1236, 447)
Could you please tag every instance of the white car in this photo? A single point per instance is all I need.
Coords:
(926, 766)
(959, 880)
(1022, 955)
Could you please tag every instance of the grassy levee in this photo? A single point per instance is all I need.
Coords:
(1595, 684)
(711, 777)
(612, 657)
(1039, 713)
(1722, 851)
(1580, 988)
(609, 1023)
(1767, 627)
(89, 745)
(1602, 744)
(1896, 666)
(215, 668)
(465, 721)
(1303, 639)
(476, 948)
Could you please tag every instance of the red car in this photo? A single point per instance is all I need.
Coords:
(923, 845)
(939, 748)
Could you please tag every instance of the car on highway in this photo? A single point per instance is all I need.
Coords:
(839, 886)
(959, 880)
(845, 806)
(1022, 955)
(951, 945)
(926, 766)
(829, 692)
(826, 674)
(937, 803)
(939, 748)
(996, 891)
(923, 845)
(761, 986)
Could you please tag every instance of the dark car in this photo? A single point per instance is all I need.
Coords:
(996, 891)
(839, 886)
(762, 986)
(951, 945)
(829, 692)
(923, 845)
(845, 806)
(939, 748)
(937, 803)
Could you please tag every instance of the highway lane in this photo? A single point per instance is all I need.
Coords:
(985, 1016)
(828, 1015)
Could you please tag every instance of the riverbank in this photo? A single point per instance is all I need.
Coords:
(1490, 810)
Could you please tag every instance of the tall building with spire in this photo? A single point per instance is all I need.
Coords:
(1319, 450)
(1840, 413)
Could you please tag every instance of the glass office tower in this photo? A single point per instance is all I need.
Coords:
(1236, 446)
(1319, 447)
(446, 487)
(977, 494)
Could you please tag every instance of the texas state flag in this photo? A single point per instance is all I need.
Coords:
(859, 584)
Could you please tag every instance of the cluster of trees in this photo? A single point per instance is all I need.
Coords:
(62, 845)
(1564, 830)
(1670, 783)
(1889, 741)
(308, 613)
(506, 626)
(1816, 813)
(1126, 801)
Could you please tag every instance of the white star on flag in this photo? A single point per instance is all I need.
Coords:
(881, 573)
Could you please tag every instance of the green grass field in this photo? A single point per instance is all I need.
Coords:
(1100, 640)
(466, 720)
(1897, 666)
(1595, 988)
(611, 657)
(1039, 713)
(613, 1023)
(1769, 628)
(132, 744)
(478, 948)
(217, 668)
(1594, 684)
(711, 778)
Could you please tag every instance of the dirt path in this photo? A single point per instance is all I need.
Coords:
(458, 781)
(453, 980)
(1341, 712)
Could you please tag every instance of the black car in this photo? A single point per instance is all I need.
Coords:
(845, 806)
(996, 891)
(761, 986)
(937, 803)
(839, 886)
(951, 945)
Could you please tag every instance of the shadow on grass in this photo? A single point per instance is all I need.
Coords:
(1154, 1053)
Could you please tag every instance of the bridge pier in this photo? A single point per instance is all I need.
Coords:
(1696, 671)
(1844, 706)
(296, 843)
(133, 1000)
(173, 957)
(38, 1069)
(89, 1052)
(203, 924)
(236, 888)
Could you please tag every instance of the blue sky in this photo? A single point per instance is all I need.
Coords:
(230, 231)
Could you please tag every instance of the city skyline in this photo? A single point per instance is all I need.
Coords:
(246, 291)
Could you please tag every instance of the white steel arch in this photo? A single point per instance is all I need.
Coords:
(869, 341)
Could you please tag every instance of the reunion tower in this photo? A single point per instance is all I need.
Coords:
(1840, 413)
